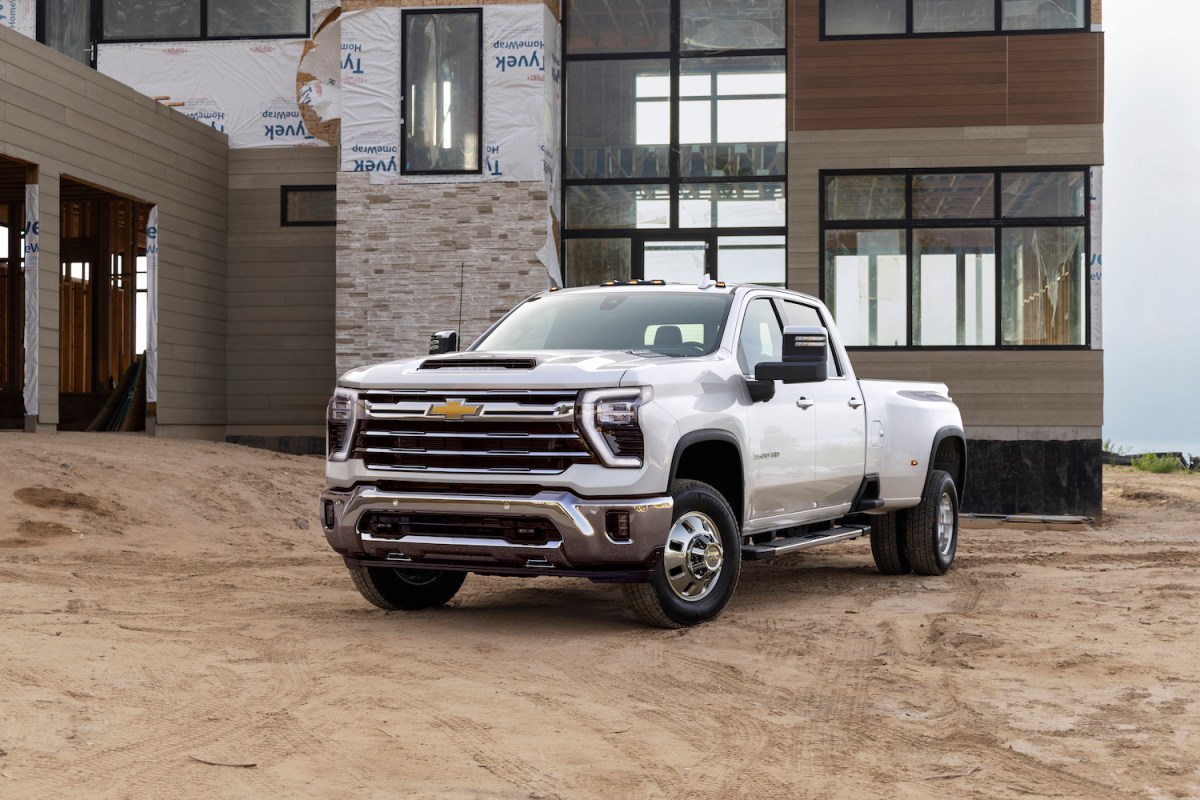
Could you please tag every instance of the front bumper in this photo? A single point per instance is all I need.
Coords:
(584, 547)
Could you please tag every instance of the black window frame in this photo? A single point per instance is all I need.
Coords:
(99, 38)
(287, 189)
(997, 29)
(675, 56)
(998, 223)
(405, 14)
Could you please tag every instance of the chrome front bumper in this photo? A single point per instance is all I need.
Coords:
(585, 545)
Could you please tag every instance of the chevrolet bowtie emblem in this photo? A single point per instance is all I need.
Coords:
(452, 409)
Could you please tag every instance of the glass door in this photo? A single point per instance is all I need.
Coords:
(66, 26)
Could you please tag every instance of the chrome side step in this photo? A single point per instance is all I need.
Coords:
(792, 544)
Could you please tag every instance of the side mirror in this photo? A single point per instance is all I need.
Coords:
(805, 357)
(443, 342)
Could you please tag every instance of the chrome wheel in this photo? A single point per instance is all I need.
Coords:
(945, 525)
(693, 557)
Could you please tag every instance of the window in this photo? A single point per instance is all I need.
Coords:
(307, 205)
(443, 105)
(762, 336)
(174, 20)
(674, 161)
(842, 18)
(956, 259)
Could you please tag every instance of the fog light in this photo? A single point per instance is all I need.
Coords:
(327, 514)
(617, 523)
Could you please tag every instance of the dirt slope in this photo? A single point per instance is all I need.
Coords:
(173, 625)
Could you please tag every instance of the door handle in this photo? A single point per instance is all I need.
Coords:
(854, 402)
(805, 403)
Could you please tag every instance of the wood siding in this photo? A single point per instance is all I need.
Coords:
(1011, 389)
(1024, 79)
(280, 295)
(73, 122)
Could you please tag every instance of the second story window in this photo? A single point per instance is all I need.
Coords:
(184, 20)
(853, 18)
(966, 258)
(442, 79)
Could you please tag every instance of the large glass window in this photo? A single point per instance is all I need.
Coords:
(1043, 284)
(607, 135)
(618, 26)
(675, 139)
(731, 24)
(865, 285)
(864, 17)
(901, 17)
(1033, 15)
(943, 259)
(954, 286)
(442, 103)
(154, 20)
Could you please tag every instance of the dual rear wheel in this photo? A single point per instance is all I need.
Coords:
(922, 539)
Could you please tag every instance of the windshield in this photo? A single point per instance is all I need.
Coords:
(669, 323)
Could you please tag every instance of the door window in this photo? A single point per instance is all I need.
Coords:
(761, 338)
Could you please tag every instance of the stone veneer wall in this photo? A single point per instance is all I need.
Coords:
(399, 251)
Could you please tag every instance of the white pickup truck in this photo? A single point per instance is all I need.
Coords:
(648, 434)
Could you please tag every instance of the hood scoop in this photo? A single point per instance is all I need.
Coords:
(478, 364)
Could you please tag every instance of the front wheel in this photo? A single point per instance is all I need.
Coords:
(701, 560)
(931, 528)
(406, 589)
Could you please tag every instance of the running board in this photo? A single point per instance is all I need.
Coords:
(781, 547)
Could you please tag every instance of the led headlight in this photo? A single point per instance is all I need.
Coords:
(340, 416)
(609, 420)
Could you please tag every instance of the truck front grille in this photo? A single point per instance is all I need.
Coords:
(523, 432)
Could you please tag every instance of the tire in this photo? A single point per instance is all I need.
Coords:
(931, 527)
(406, 589)
(702, 558)
(888, 544)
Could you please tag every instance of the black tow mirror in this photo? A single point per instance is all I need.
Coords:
(805, 357)
(443, 342)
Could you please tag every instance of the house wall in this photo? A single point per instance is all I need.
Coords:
(70, 121)
(981, 80)
(1041, 406)
(402, 248)
(280, 303)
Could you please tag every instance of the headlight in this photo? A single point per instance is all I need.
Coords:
(609, 420)
(340, 416)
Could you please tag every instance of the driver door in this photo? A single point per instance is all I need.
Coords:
(782, 430)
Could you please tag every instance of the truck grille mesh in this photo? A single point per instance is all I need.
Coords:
(522, 432)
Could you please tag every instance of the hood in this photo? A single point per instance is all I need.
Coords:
(574, 369)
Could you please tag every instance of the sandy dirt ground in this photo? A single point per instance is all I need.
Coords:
(172, 625)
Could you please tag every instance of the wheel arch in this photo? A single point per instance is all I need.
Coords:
(712, 456)
(949, 453)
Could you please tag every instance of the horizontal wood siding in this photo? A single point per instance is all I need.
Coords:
(1056, 79)
(940, 81)
(280, 297)
(73, 122)
(1004, 388)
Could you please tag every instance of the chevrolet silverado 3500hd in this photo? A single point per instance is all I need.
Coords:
(648, 434)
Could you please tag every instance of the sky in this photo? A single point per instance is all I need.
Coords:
(1151, 206)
